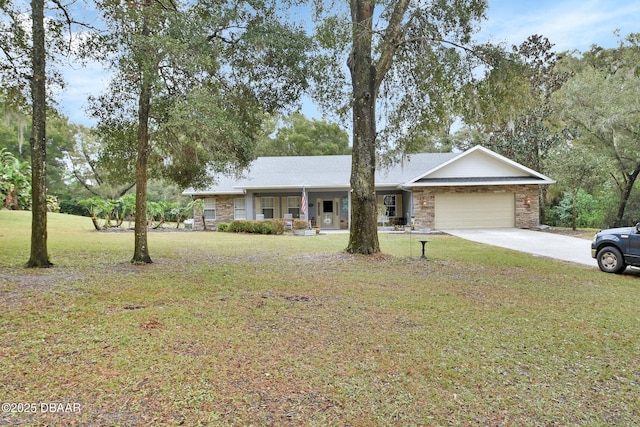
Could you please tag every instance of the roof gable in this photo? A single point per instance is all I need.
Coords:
(479, 165)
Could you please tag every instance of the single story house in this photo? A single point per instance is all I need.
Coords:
(477, 188)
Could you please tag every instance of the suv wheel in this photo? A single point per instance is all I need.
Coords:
(610, 260)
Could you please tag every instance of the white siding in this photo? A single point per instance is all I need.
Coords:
(478, 165)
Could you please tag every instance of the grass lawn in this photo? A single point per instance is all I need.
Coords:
(227, 329)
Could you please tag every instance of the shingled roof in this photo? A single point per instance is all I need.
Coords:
(476, 166)
(317, 172)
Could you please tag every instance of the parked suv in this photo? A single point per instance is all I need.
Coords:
(616, 248)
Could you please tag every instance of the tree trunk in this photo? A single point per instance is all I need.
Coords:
(141, 247)
(94, 220)
(11, 198)
(574, 209)
(39, 257)
(624, 196)
(363, 237)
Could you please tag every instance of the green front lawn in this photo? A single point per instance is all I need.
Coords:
(227, 329)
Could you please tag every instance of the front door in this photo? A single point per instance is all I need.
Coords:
(328, 213)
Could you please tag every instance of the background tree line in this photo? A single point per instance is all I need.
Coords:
(80, 171)
(573, 116)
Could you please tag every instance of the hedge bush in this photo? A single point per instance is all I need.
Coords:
(300, 224)
(222, 227)
(257, 227)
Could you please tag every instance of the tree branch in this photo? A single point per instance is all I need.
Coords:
(70, 22)
(125, 189)
(172, 6)
(391, 41)
(228, 40)
(13, 66)
(82, 182)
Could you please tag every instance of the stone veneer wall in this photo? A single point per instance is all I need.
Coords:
(526, 215)
(224, 213)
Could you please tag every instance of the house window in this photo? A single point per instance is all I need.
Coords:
(345, 207)
(293, 206)
(389, 202)
(239, 210)
(268, 207)
(209, 208)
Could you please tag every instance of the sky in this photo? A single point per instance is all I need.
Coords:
(568, 24)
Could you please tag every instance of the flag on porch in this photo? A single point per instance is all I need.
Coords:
(303, 202)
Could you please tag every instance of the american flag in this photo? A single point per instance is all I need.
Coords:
(303, 202)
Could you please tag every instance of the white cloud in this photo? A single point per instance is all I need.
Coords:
(81, 81)
(568, 24)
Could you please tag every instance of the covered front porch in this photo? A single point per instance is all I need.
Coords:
(324, 208)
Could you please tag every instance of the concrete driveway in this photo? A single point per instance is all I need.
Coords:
(538, 243)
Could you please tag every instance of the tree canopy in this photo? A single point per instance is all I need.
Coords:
(191, 84)
(296, 135)
(511, 104)
(602, 102)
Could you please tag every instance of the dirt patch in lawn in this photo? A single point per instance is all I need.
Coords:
(15, 283)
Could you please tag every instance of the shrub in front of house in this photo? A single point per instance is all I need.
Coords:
(266, 228)
(238, 227)
(257, 227)
(279, 225)
(300, 224)
(222, 227)
(273, 226)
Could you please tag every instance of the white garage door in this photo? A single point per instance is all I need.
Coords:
(474, 210)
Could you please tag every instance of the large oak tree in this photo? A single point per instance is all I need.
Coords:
(191, 84)
(406, 60)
